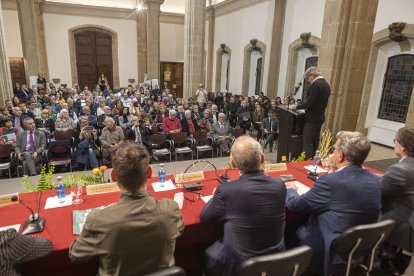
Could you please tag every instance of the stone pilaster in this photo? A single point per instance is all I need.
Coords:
(153, 38)
(345, 46)
(142, 44)
(6, 88)
(194, 34)
(276, 47)
(32, 35)
(409, 122)
(210, 51)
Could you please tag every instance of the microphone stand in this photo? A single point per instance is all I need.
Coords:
(34, 224)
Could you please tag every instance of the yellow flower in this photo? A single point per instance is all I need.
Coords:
(231, 157)
(96, 171)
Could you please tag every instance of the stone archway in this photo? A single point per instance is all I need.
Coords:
(72, 49)
(254, 45)
(224, 49)
(306, 40)
(379, 39)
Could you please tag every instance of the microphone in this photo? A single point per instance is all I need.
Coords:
(224, 178)
(297, 87)
(34, 224)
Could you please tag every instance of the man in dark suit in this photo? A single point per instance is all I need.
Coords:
(397, 192)
(17, 119)
(315, 105)
(139, 132)
(252, 209)
(137, 235)
(29, 146)
(270, 129)
(347, 197)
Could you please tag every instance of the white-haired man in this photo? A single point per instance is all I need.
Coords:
(111, 136)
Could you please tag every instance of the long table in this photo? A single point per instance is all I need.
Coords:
(58, 227)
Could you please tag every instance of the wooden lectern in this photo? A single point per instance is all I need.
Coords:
(290, 140)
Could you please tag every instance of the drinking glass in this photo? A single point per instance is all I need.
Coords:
(76, 190)
(178, 178)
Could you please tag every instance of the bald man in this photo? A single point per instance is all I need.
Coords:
(252, 209)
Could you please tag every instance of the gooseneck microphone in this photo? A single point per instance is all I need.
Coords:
(34, 224)
(297, 87)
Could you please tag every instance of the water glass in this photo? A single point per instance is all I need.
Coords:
(76, 190)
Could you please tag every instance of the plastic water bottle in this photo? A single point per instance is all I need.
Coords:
(60, 190)
(161, 175)
(316, 159)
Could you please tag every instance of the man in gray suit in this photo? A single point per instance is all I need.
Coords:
(29, 145)
(137, 235)
(397, 192)
(221, 132)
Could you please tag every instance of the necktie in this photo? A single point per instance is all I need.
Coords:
(221, 126)
(271, 125)
(18, 126)
(31, 142)
(138, 138)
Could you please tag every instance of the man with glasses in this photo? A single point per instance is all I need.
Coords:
(221, 132)
(139, 132)
(347, 197)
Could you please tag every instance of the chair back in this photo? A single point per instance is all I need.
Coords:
(179, 138)
(5, 150)
(200, 135)
(236, 132)
(291, 262)
(158, 139)
(63, 135)
(172, 271)
(363, 237)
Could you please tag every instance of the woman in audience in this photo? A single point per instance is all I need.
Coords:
(64, 123)
(88, 147)
(397, 193)
(6, 130)
(45, 123)
(163, 113)
(207, 120)
(258, 117)
(189, 124)
(197, 115)
(117, 111)
(99, 110)
(124, 120)
(134, 110)
(15, 101)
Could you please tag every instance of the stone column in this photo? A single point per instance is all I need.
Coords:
(345, 46)
(6, 88)
(276, 47)
(194, 33)
(409, 122)
(210, 51)
(142, 44)
(153, 38)
(32, 34)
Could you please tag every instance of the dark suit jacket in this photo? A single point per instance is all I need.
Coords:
(145, 134)
(253, 211)
(266, 125)
(316, 102)
(185, 126)
(39, 140)
(397, 191)
(136, 236)
(336, 202)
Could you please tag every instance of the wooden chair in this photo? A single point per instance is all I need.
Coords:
(182, 144)
(59, 155)
(158, 142)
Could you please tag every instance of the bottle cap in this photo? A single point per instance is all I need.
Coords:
(162, 164)
(59, 178)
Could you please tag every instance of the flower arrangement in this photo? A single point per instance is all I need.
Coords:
(100, 172)
(325, 144)
(45, 180)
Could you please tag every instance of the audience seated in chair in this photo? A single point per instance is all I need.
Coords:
(348, 196)
(140, 227)
(30, 145)
(270, 129)
(251, 208)
(139, 132)
(189, 124)
(110, 138)
(221, 133)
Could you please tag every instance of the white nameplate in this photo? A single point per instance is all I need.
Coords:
(8, 199)
(189, 177)
(102, 188)
(275, 167)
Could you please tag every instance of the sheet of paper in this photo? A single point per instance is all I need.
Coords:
(16, 226)
(311, 168)
(166, 186)
(179, 198)
(207, 198)
(52, 202)
(302, 188)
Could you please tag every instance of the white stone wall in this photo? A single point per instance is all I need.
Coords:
(301, 17)
(393, 11)
(171, 42)
(12, 32)
(236, 29)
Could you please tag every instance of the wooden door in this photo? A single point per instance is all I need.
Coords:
(171, 77)
(93, 58)
(17, 70)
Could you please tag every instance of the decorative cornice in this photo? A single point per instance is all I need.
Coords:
(305, 39)
(229, 6)
(173, 18)
(396, 29)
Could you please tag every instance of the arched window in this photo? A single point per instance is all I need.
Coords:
(309, 62)
(397, 88)
(223, 56)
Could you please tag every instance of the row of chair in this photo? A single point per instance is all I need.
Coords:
(362, 239)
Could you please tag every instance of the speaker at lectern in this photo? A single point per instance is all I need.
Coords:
(290, 140)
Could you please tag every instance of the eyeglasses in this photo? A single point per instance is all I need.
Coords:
(193, 196)
(394, 141)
